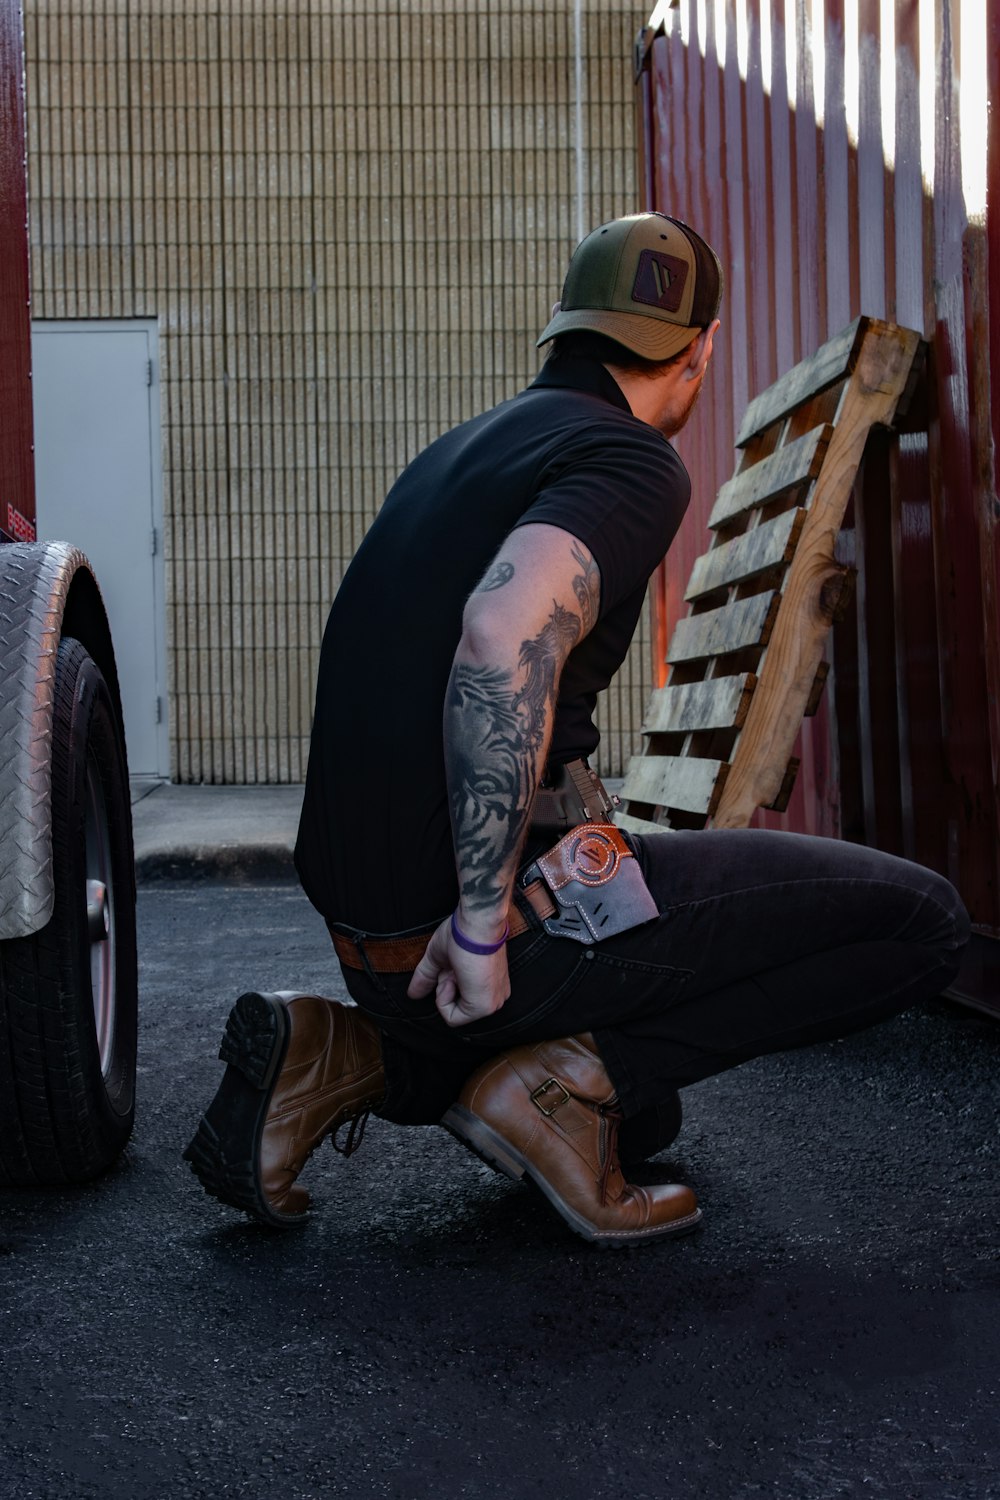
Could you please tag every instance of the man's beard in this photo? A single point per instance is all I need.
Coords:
(672, 425)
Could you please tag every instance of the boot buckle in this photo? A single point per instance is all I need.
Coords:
(537, 1095)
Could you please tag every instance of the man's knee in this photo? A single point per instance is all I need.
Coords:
(945, 921)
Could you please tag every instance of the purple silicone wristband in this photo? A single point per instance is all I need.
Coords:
(482, 949)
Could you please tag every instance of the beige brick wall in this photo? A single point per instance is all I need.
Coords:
(350, 222)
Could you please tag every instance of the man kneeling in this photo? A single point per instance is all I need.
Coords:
(521, 969)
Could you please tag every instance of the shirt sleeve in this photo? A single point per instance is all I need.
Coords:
(621, 492)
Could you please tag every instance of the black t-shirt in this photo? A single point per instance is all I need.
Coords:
(374, 847)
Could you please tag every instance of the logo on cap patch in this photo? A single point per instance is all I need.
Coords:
(659, 281)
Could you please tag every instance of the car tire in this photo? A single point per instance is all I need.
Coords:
(69, 993)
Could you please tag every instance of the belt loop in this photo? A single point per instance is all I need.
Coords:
(359, 940)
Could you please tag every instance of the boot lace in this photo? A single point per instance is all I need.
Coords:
(355, 1134)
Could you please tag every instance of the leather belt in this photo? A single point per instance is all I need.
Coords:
(400, 955)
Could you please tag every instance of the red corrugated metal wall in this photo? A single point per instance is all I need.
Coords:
(17, 485)
(819, 146)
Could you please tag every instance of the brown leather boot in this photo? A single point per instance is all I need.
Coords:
(299, 1068)
(547, 1111)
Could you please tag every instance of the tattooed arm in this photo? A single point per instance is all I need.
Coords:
(539, 597)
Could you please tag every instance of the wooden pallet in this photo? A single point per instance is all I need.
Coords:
(746, 664)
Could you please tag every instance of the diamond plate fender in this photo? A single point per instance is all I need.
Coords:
(35, 579)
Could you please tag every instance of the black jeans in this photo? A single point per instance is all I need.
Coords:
(765, 941)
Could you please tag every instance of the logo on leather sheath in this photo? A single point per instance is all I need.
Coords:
(659, 281)
(594, 858)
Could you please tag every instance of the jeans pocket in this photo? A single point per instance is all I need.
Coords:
(544, 980)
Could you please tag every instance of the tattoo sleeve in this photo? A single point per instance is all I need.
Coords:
(587, 587)
(495, 577)
(498, 722)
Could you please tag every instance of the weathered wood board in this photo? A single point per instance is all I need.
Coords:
(795, 648)
(788, 468)
(766, 547)
(832, 362)
(693, 785)
(632, 824)
(782, 584)
(719, 703)
(744, 622)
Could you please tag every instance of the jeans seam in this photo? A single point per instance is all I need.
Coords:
(809, 883)
(637, 966)
(764, 1044)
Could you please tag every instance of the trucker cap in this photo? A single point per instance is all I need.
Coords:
(647, 281)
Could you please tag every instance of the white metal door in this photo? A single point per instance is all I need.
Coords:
(98, 479)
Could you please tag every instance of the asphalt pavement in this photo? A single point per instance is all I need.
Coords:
(436, 1331)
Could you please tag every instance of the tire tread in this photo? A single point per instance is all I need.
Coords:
(53, 1128)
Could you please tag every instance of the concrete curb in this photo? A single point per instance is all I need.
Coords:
(237, 865)
(239, 835)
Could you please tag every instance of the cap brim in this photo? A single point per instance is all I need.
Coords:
(652, 338)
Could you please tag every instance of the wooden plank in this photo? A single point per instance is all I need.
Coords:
(797, 463)
(743, 622)
(781, 801)
(681, 781)
(834, 360)
(767, 546)
(639, 825)
(814, 583)
(717, 703)
(816, 691)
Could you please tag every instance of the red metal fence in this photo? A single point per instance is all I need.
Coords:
(840, 156)
(17, 484)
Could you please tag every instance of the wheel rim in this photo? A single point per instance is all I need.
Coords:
(100, 914)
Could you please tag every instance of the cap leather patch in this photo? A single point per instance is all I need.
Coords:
(659, 281)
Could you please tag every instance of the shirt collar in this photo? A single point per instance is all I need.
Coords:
(578, 374)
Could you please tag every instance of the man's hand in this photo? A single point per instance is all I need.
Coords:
(467, 986)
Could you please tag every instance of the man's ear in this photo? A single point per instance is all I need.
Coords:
(701, 352)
